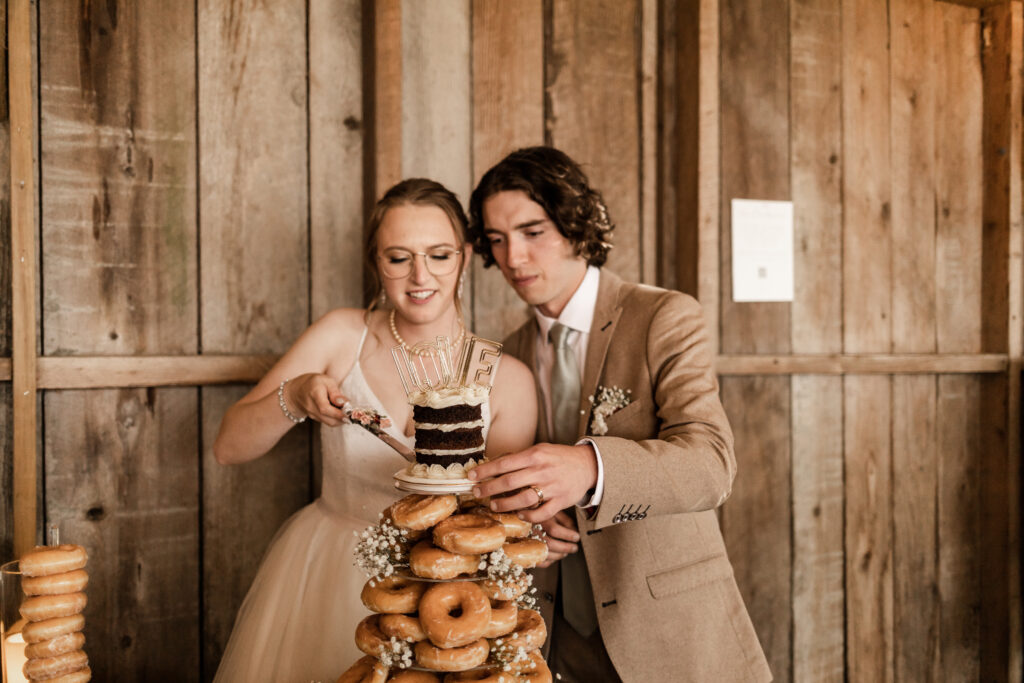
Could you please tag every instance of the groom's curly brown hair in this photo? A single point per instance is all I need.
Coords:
(549, 177)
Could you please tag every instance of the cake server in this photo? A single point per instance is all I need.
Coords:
(375, 423)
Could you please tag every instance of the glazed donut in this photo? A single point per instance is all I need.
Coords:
(464, 600)
(369, 638)
(453, 659)
(527, 553)
(38, 631)
(392, 595)
(414, 677)
(481, 676)
(80, 676)
(505, 589)
(469, 534)
(419, 512)
(407, 627)
(530, 633)
(514, 526)
(58, 646)
(45, 560)
(366, 670)
(50, 606)
(55, 584)
(503, 618)
(51, 667)
(431, 562)
(542, 674)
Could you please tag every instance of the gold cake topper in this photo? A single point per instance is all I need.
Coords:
(431, 366)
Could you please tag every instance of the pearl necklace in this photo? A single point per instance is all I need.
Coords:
(418, 352)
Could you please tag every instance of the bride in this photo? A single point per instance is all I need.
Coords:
(298, 620)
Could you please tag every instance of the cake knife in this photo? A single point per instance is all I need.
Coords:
(374, 427)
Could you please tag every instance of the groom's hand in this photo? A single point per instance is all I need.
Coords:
(539, 481)
(562, 537)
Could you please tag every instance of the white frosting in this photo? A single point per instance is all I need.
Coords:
(450, 427)
(456, 470)
(449, 451)
(452, 396)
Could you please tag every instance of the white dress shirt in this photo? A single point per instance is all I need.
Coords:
(578, 316)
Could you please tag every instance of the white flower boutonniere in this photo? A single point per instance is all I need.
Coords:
(607, 400)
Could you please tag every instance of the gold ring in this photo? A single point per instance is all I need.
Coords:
(540, 494)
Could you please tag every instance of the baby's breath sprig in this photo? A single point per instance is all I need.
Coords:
(381, 548)
(397, 653)
(606, 401)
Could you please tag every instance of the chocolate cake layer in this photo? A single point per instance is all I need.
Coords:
(449, 415)
(459, 439)
(445, 460)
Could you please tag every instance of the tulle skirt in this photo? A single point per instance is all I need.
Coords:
(298, 621)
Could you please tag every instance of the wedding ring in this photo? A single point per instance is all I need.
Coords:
(540, 494)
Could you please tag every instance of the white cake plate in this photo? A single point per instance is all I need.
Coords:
(407, 482)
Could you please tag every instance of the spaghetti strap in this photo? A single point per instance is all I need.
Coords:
(359, 349)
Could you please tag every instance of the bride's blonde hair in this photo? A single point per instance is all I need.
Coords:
(418, 192)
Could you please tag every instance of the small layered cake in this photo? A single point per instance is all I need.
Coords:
(449, 431)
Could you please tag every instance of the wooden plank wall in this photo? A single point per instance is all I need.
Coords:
(203, 180)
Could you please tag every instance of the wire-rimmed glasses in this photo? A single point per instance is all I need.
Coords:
(397, 263)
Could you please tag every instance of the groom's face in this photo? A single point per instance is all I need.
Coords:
(537, 260)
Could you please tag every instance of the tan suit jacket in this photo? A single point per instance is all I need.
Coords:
(667, 603)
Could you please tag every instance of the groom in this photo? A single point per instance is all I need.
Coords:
(636, 451)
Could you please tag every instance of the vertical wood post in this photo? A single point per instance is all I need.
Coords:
(23, 273)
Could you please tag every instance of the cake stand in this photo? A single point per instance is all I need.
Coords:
(407, 482)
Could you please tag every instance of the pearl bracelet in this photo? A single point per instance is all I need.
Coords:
(284, 408)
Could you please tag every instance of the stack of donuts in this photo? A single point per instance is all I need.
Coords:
(53, 578)
(443, 615)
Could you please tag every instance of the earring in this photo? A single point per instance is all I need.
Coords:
(383, 299)
(462, 281)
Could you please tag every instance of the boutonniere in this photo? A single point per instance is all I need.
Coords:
(607, 401)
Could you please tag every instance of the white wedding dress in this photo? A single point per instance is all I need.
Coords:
(298, 621)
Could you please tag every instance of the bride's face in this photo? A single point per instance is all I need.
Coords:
(419, 261)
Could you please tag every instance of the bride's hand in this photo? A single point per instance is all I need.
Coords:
(317, 397)
(562, 537)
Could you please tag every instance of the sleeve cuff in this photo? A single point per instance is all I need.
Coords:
(598, 492)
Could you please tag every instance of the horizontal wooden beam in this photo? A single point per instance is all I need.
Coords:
(98, 372)
(867, 364)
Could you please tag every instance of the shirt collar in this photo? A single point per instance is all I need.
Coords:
(578, 313)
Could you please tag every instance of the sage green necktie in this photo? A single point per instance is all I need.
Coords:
(574, 583)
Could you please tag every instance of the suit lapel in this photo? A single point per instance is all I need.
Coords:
(606, 318)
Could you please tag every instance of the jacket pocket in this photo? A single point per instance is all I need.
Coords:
(690, 576)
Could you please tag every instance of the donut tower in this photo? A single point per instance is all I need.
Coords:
(461, 608)
(53, 579)
(448, 589)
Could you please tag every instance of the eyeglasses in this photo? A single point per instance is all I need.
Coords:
(397, 263)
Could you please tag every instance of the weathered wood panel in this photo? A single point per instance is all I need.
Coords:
(117, 125)
(915, 465)
(335, 155)
(869, 579)
(508, 113)
(6, 331)
(867, 298)
(254, 190)
(436, 93)
(755, 153)
(122, 480)
(817, 482)
(756, 521)
(117, 128)
(592, 88)
(959, 528)
(958, 227)
(912, 157)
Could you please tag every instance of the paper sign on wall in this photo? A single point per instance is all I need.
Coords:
(762, 250)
